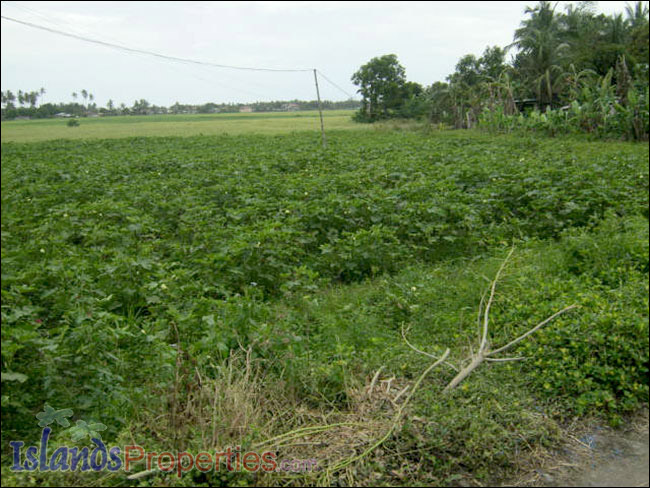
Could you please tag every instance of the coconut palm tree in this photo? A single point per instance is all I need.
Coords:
(541, 51)
(637, 15)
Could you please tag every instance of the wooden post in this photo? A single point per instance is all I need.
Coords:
(320, 111)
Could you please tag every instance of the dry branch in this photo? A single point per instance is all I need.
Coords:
(484, 353)
(432, 356)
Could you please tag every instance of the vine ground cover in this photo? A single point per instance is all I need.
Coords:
(135, 271)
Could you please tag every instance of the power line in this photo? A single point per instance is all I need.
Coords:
(76, 31)
(162, 56)
(149, 53)
(335, 85)
(52, 20)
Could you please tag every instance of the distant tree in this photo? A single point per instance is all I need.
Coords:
(381, 84)
(414, 103)
(32, 98)
(441, 108)
(637, 21)
(492, 63)
(541, 48)
(637, 15)
(7, 99)
(207, 108)
(140, 107)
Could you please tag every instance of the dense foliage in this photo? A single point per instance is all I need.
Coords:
(386, 93)
(570, 71)
(118, 255)
(597, 106)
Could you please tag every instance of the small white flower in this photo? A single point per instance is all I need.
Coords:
(42, 250)
(163, 286)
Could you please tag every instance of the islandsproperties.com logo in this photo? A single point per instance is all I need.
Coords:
(100, 457)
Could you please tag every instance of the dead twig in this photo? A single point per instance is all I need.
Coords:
(484, 353)
(432, 356)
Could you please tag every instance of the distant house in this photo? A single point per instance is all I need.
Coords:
(63, 115)
(246, 109)
(291, 107)
(526, 104)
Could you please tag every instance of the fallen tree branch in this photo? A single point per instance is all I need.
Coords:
(504, 360)
(534, 329)
(432, 356)
(484, 353)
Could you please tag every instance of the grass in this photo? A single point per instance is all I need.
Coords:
(175, 125)
(251, 289)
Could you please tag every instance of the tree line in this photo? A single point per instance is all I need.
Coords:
(568, 70)
(25, 104)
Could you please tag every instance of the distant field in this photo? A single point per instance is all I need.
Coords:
(174, 125)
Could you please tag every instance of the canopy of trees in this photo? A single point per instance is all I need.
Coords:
(557, 58)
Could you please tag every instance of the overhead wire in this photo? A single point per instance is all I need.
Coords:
(191, 66)
(144, 51)
(349, 95)
(162, 57)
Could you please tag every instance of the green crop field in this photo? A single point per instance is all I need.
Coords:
(174, 125)
(247, 287)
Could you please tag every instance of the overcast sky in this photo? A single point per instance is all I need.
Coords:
(335, 37)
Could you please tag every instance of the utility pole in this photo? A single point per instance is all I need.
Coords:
(320, 111)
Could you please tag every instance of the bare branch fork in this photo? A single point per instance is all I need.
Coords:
(484, 353)
(432, 356)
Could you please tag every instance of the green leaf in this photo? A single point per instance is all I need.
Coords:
(49, 415)
(12, 376)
